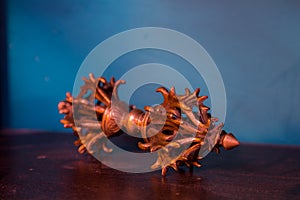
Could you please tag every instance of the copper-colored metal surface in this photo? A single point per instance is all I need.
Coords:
(170, 125)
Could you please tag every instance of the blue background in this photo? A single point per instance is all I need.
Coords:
(255, 44)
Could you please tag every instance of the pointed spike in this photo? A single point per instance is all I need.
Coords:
(174, 166)
(112, 80)
(216, 149)
(103, 96)
(85, 79)
(148, 108)
(81, 149)
(196, 164)
(183, 159)
(229, 141)
(197, 91)
(187, 91)
(92, 77)
(172, 91)
(131, 107)
(164, 92)
(155, 148)
(102, 80)
(144, 146)
(187, 164)
(155, 165)
(77, 142)
(68, 95)
(164, 171)
(204, 108)
(63, 121)
(99, 109)
(106, 149)
(115, 90)
(201, 99)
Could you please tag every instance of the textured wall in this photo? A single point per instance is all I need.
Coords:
(255, 44)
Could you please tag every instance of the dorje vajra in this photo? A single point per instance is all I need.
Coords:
(181, 120)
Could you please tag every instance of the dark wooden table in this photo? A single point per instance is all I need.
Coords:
(47, 166)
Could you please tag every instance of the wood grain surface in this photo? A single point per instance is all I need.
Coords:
(43, 165)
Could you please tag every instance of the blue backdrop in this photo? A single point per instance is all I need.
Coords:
(255, 44)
